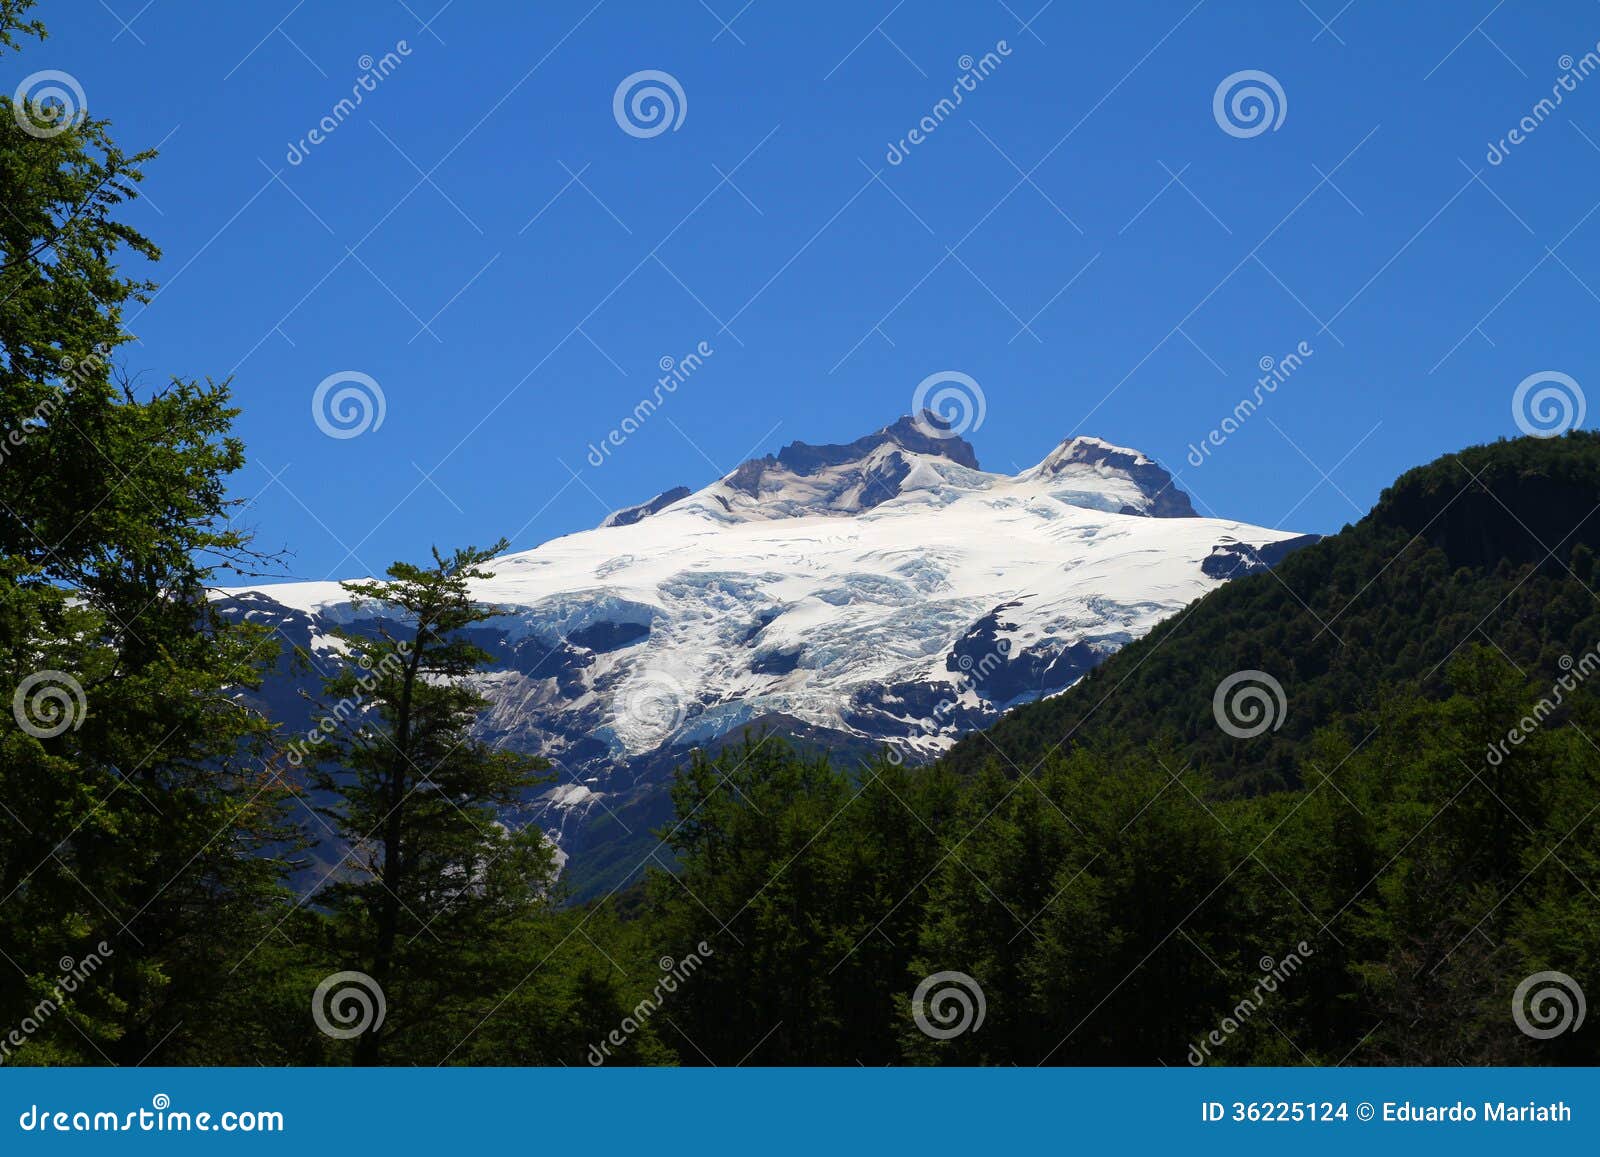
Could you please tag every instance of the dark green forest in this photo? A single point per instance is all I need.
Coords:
(1117, 878)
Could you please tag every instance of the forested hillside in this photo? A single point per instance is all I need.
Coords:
(1494, 545)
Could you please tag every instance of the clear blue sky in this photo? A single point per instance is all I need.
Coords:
(513, 306)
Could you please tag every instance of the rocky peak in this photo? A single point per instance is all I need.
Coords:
(1086, 461)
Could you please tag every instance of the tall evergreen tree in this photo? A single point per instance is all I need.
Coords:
(438, 884)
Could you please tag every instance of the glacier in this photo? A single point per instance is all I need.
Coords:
(882, 592)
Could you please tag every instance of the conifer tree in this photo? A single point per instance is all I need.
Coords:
(439, 883)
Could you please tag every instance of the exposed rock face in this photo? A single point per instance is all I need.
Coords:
(629, 515)
(1231, 560)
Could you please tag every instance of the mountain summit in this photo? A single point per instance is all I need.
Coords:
(924, 457)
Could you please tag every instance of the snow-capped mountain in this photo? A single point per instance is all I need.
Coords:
(885, 591)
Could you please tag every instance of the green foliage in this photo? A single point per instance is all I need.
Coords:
(140, 807)
(436, 884)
